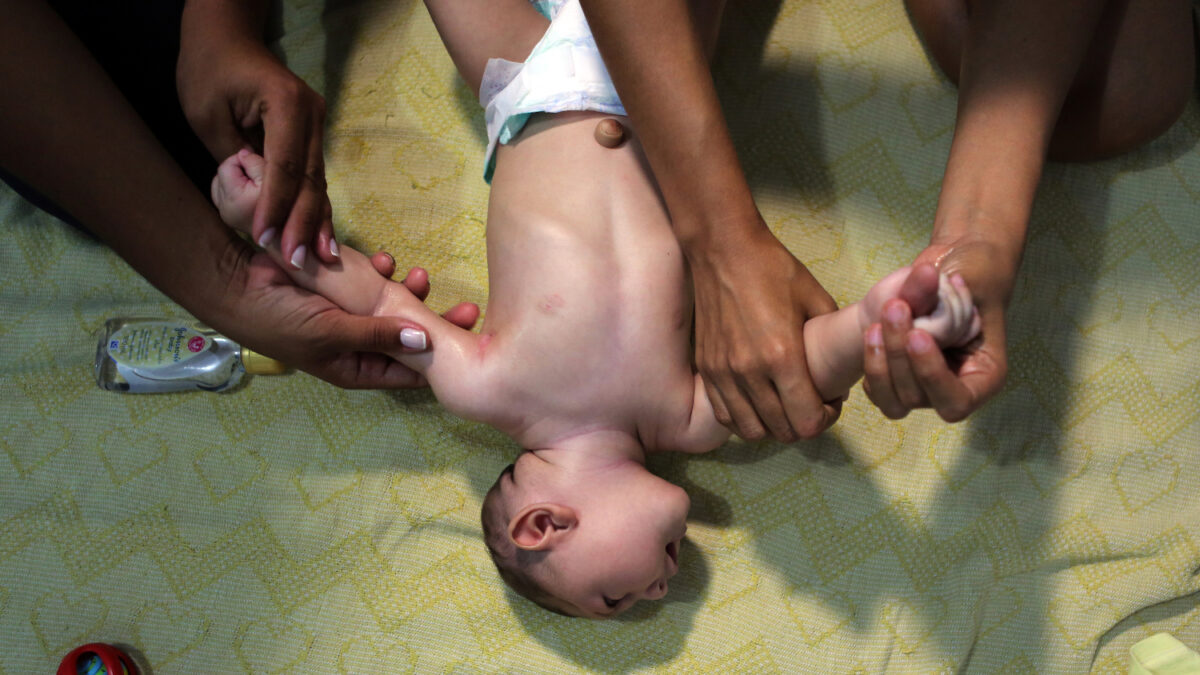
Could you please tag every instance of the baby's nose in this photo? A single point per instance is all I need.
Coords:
(656, 590)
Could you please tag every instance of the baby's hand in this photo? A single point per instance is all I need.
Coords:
(953, 323)
(236, 187)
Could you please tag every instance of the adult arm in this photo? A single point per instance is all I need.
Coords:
(236, 94)
(1019, 59)
(70, 134)
(831, 343)
(752, 295)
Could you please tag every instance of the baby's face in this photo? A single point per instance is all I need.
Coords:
(622, 555)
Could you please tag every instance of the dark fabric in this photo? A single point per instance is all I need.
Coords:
(137, 43)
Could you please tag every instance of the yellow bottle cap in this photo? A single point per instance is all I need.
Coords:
(257, 364)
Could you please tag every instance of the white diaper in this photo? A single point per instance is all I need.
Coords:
(563, 72)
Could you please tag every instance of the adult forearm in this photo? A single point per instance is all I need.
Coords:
(1019, 59)
(69, 134)
(206, 19)
(658, 63)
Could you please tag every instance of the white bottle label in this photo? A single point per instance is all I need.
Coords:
(162, 356)
(157, 346)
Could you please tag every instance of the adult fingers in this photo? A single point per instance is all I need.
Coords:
(368, 371)
(284, 149)
(807, 414)
(744, 419)
(877, 381)
(720, 410)
(326, 244)
(897, 323)
(294, 195)
(947, 394)
(218, 131)
(768, 409)
(349, 333)
(300, 233)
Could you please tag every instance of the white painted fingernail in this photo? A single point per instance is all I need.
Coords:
(298, 257)
(266, 237)
(333, 248)
(412, 338)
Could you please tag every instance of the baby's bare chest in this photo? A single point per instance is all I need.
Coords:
(587, 298)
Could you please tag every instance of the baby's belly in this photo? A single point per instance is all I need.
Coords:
(587, 289)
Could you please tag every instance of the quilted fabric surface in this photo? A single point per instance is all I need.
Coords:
(294, 527)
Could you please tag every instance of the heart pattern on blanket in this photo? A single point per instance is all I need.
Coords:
(28, 447)
(1143, 477)
(123, 465)
(1176, 324)
(63, 620)
(167, 632)
(365, 655)
(272, 646)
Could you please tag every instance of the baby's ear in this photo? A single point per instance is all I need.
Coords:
(538, 527)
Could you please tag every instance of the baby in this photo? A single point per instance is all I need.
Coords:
(584, 357)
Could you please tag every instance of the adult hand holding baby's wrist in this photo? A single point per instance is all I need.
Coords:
(752, 299)
(261, 308)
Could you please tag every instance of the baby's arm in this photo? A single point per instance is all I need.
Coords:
(833, 342)
(453, 366)
(833, 347)
(701, 432)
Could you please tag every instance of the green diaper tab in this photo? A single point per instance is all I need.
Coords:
(1162, 654)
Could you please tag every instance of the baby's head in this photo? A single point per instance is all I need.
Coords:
(584, 540)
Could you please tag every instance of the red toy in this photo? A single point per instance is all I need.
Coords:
(112, 660)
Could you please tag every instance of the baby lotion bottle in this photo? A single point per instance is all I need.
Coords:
(149, 356)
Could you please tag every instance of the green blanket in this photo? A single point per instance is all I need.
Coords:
(292, 526)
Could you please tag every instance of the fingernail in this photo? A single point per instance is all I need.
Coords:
(391, 258)
(919, 342)
(895, 312)
(298, 256)
(266, 237)
(875, 336)
(412, 338)
(333, 248)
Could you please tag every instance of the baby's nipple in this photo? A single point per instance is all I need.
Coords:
(609, 133)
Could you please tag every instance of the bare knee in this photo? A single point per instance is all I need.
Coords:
(1140, 88)
(1123, 118)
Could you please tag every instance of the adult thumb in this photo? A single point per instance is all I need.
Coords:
(351, 333)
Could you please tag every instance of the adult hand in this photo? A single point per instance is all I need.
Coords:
(903, 367)
(236, 94)
(752, 300)
(268, 313)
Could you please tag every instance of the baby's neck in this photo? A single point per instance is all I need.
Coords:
(592, 449)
